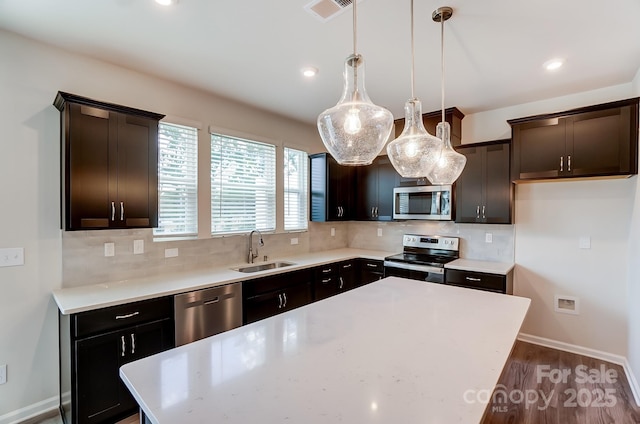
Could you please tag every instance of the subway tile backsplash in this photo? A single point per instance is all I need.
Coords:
(84, 262)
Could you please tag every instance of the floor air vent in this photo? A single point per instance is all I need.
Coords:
(325, 10)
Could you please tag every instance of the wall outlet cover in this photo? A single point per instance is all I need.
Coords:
(566, 304)
(109, 249)
(584, 242)
(3, 374)
(379, 232)
(171, 253)
(488, 238)
(294, 240)
(138, 247)
(333, 232)
(12, 256)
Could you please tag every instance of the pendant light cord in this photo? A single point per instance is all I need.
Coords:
(356, 60)
(442, 62)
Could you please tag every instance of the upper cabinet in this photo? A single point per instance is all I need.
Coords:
(484, 193)
(431, 120)
(109, 165)
(594, 141)
(375, 185)
(332, 189)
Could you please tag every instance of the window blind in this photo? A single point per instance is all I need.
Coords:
(243, 185)
(177, 180)
(296, 189)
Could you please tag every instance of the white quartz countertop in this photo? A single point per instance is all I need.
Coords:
(502, 268)
(86, 298)
(394, 351)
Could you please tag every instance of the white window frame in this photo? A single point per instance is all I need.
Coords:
(296, 184)
(222, 210)
(187, 183)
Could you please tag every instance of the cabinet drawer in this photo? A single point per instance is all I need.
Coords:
(115, 317)
(276, 282)
(476, 280)
(372, 265)
(325, 271)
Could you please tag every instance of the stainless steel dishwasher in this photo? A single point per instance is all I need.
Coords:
(203, 313)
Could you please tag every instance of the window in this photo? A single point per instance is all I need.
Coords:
(295, 189)
(243, 185)
(177, 180)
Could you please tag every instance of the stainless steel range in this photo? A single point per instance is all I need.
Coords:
(423, 257)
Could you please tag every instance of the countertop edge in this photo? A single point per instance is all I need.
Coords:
(488, 267)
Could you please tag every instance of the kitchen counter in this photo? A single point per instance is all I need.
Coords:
(86, 298)
(501, 268)
(395, 350)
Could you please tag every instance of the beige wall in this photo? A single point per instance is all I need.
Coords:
(30, 75)
(550, 218)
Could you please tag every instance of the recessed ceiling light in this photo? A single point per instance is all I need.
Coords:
(309, 71)
(553, 64)
(166, 2)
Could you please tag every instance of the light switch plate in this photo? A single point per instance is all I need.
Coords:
(12, 257)
(488, 238)
(138, 247)
(171, 253)
(333, 232)
(109, 249)
(379, 232)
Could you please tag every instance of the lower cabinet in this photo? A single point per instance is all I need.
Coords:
(93, 347)
(335, 278)
(480, 281)
(370, 270)
(269, 296)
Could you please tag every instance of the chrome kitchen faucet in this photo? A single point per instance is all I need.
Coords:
(252, 256)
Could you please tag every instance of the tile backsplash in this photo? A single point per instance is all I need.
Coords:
(84, 263)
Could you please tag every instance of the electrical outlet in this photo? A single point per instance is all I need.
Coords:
(12, 257)
(109, 249)
(566, 304)
(584, 242)
(138, 247)
(488, 238)
(379, 232)
(3, 374)
(294, 240)
(171, 253)
(333, 232)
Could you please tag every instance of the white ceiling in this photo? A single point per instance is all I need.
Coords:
(253, 50)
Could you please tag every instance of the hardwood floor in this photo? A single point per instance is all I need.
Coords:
(547, 386)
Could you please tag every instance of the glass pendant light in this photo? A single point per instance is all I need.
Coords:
(355, 130)
(451, 163)
(415, 152)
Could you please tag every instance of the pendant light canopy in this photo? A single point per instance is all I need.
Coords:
(415, 152)
(451, 163)
(355, 130)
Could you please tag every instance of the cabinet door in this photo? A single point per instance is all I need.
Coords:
(388, 179)
(137, 150)
(101, 395)
(367, 188)
(342, 185)
(498, 190)
(326, 286)
(347, 276)
(148, 339)
(296, 296)
(599, 143)
(470, 185)
(370, 271)
(539, 149)
(86, 165)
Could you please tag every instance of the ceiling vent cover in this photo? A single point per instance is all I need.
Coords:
(325, 10)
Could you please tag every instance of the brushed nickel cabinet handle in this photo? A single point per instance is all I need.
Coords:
(569, 163)
(472, 279)
(121, 211)
(123, 345)
(326, 280)
(284, 296)
(280, 297)
(113, 211)
(478, 212)
(561, 163)
(133, 314)
(133, 343)
(483, 209)
(341, 282)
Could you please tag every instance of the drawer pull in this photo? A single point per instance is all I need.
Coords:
(346, 266)
(133, 314)
(473, 279)
(325, 271)
(326, 280)
(372, 265)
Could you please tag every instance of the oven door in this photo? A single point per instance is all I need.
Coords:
(414, 272)
(423, 202)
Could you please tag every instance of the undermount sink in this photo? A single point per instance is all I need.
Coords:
(263, 267)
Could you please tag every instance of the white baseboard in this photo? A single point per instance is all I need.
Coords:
(592, 353)
(40, 408)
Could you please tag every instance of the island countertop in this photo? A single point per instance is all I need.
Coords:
(394, 351)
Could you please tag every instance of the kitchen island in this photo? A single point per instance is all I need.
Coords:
(394, 351)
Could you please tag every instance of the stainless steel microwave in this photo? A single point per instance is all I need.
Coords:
(423, 202)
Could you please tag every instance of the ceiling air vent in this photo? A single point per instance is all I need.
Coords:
(325, 10)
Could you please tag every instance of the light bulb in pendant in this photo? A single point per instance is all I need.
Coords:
(352, 124)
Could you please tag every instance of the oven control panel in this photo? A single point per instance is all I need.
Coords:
(431, 242)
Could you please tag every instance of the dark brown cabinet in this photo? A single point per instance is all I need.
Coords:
(332, 189)
(93, 347)
(594, 141)
(335, 278)
(375, 185)
(109, 165)
(497, 283)
(484, 192)
(370, 270)
(431, 120)
(269, 296)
